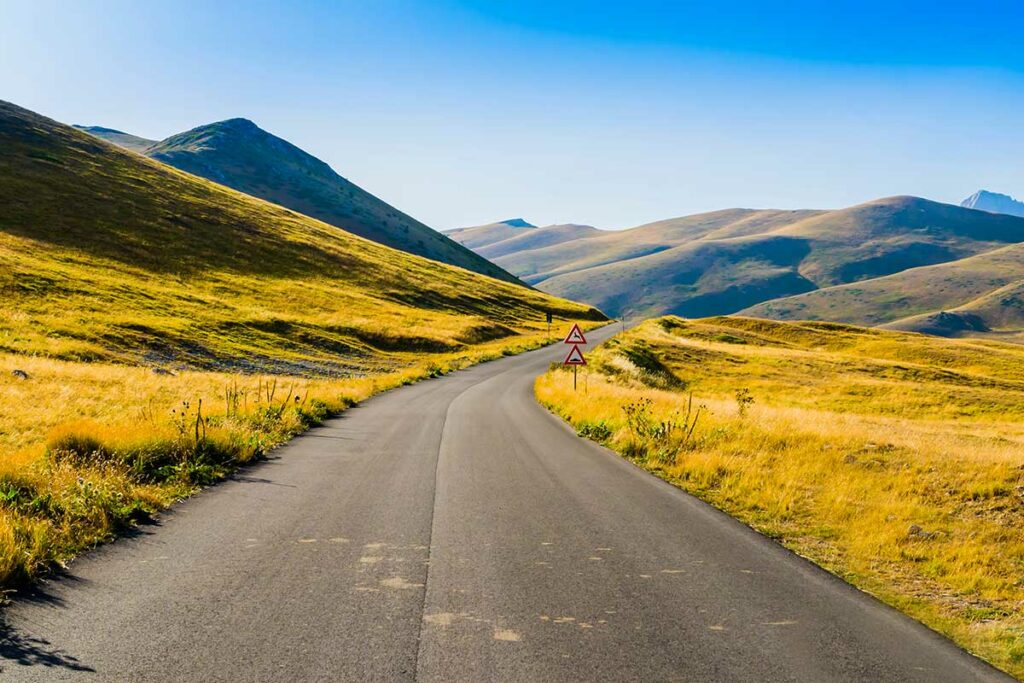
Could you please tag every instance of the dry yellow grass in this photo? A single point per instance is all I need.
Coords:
(87, 449)
(893, 460)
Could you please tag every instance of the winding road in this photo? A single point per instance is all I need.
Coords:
(453, 530)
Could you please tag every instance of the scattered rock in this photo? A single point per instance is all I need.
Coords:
(917, 532)
(161, 371)
(20, 374)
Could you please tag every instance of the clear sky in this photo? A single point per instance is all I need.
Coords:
(462, 112)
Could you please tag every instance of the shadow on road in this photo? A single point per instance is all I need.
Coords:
(18, 649)
(21, 649)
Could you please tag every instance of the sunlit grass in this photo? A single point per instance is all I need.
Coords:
(896, 461)
(87, 449)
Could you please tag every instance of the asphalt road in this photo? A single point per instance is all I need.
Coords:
(455, 531)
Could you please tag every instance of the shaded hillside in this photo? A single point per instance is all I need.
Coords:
(240, 155)
(889, 235)
(105, 254)
(696, 279)
(999, 314)
(725, 261)
(119, 138)
(909, 293)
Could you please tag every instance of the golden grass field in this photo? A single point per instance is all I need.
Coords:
(894, 460)
(89, 448)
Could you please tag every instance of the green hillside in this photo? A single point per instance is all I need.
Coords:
(240, 155)
(107, 255)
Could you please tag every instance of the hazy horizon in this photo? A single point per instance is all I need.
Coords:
(463, 113)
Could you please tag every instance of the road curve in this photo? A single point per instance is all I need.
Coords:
(453, 530)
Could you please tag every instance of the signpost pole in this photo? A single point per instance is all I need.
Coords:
(574, 377)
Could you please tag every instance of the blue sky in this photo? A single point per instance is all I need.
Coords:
(463, 112)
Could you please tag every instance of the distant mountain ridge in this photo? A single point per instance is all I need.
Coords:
(993, 202)
(481, 235)
(872, 264)
(239, 154)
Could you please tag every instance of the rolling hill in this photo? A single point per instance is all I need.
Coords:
(727, 261)
(538, 238)
(997, 314)
(482, 235)
(911, 293)
(535, 261)
(107, 255)
(239, 154)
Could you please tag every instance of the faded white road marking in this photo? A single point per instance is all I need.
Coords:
(507, 635)
(400, 583)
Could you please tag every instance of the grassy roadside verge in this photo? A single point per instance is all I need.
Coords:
(89, 449)
(894, 461)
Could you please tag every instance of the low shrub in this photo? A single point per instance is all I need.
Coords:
(598, 431)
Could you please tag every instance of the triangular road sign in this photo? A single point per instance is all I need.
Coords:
(575, 336)
(575, 357)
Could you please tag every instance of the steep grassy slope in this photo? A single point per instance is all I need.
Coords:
(725, 261)
(143, 307)
(119, 138)
(894, 460)
(108, 256)
(240, 155)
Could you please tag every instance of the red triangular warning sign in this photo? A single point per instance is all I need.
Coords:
(575, 336)
(575, 357)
